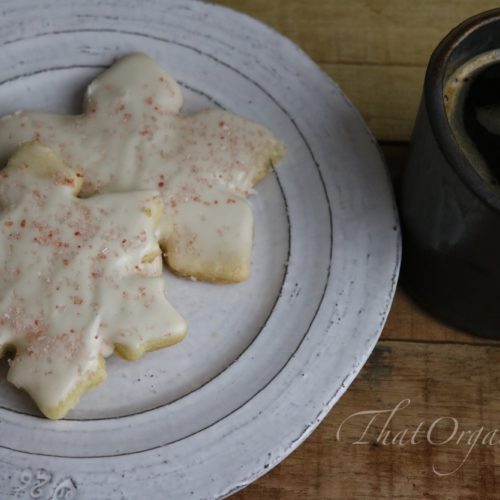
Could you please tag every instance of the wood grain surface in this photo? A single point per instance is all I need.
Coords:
(377, 50)
(441, 442)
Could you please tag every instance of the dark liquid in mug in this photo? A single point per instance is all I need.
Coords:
(484, 91)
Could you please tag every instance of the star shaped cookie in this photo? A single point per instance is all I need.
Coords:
(132, 136)
(80, 279)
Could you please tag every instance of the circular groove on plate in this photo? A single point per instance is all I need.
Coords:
(275, 173)
(25, 75)
(286, 113)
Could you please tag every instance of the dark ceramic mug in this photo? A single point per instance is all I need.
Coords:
(450, 210)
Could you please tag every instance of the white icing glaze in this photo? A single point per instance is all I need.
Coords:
(77, 276)
(131, 136)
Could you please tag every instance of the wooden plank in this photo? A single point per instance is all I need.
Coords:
(364, 31)
(408, 321)
(442, 382)
(376, 50)
(387, 96)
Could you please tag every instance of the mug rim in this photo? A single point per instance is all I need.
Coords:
(438, 118)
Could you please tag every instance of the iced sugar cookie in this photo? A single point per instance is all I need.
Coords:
(132, 136)
(79, 278)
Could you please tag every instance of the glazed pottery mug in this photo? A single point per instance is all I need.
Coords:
(450, 192)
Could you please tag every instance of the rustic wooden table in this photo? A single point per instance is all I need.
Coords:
(443, 385)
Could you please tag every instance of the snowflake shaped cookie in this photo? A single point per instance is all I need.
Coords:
(81, 278)
(132, 136)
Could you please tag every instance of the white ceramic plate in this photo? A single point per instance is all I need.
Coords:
(265, 360)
